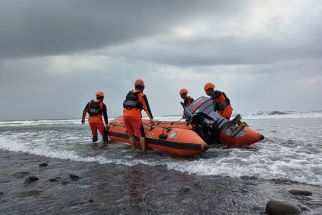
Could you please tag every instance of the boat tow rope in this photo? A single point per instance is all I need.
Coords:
(156, 125)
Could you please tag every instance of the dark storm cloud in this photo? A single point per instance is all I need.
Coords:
(38, 89)
(37, 27)
(54, 55)
(32, 91)
(214, 51)
(229, 50)
(282, 39)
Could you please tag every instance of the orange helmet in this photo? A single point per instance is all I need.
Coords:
(208, 86)
(100, 93)
(183, 91)
(139, 82)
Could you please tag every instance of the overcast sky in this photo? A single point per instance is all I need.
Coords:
(55, 54)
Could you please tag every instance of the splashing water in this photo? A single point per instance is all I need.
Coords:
(292, 149)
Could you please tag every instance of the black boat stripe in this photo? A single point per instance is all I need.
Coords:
(187, 146)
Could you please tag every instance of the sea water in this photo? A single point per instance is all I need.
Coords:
(291, 150)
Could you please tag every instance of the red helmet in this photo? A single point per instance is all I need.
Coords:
(208, 86)
(139, 82)
(183, 91)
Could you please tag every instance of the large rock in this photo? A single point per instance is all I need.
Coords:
(275, 207)
(300, 192)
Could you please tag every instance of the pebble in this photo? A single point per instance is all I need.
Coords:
(300, 192)
(184, 191)
(55, 179)
(44, 164)
(31, 179)
(74, 177)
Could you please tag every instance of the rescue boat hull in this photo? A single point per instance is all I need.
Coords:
(175, 141)
(247, 135)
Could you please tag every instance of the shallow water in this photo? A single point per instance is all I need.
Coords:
(292, 149)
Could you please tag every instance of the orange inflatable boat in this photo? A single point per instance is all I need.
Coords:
(176, 141)
(212, 127)
(204, 127)
(232, 135)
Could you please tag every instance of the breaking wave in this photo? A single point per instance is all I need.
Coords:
(292, 149)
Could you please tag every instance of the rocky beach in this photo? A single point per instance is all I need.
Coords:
(140, 189)
(51, 167)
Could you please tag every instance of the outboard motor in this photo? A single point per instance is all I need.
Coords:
(207, 122)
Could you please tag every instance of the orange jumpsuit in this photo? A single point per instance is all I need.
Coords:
(96, 121)
(133, 117)
(222, 104)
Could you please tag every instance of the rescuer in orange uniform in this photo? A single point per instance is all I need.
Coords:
(135, 102)
(187, 100)
(221, 101)
(97, 111)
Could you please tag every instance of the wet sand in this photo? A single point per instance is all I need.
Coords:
(140, 189)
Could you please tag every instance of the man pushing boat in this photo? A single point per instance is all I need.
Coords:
(135, 102)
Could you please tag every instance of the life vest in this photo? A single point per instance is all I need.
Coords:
(132, 101)
(95, 108)
(220, 106)
(188, 101)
